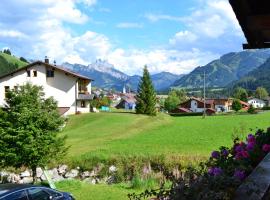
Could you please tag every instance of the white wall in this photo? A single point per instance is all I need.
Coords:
(256, 103)
(194, 106)
(218, 108)
(61, 87)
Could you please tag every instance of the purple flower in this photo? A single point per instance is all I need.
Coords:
(211, 170)
(238, 156)
(266, 148)
(215, 154)
(238, 148)
(250, 146)
(240, 174)
(217, 171)
(225, 152)
(245, 154)
(251, 138)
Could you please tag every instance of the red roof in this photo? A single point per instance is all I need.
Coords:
(244, 103)
(184, 110)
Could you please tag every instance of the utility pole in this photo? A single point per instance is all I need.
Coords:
(204, 105)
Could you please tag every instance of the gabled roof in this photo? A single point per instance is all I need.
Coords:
(60, 68)
(244, 103)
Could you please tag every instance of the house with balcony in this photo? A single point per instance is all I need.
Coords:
(72, 91)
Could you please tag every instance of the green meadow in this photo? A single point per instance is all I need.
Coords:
(116, 134)
(96, 137)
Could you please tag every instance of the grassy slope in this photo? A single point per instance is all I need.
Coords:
(84, 191)
(13, 59)
(107, 134)
(9, 63)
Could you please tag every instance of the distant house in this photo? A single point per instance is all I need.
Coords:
(197, 105)
(256, 103)
(245, 105)
(223, 105)
(128, 102)
(267, 101)
(181, 110)
(72, 91)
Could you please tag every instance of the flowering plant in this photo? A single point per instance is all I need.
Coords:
(239, 160)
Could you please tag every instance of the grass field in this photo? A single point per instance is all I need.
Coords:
(109, 134)
(84, 191)
(120, 134)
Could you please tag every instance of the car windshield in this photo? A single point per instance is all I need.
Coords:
(3, 191)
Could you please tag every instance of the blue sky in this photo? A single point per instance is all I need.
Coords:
(171, 35)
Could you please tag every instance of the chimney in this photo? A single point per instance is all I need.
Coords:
(46, 59)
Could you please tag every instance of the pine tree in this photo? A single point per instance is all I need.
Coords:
(146, 97)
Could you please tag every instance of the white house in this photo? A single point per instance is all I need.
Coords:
(72, 91)
(256, 103)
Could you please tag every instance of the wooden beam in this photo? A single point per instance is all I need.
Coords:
(258, 22)
(256, 46)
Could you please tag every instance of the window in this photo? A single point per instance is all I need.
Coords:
(28, 73)
(21, 195)
(35, 73)
(7, 88)
(83, 104)
(16, 88)
(50, 73)
(38, 194)
(53, 193)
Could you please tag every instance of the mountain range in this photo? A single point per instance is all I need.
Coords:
(248, 69)
(221, 72)
(259, 77)
(106, 76)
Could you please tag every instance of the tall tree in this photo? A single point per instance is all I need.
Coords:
(261, 93)
(236, 105)
(146, 96)
(240, 93)
(175, 97)
(7, 51)
(29, 124)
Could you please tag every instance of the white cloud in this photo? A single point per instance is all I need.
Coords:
(66, 11)
(173, 61)
(183, 37)
(88, 2)
(129, 25)
(37, 28)
(11, 33)
(157, 17)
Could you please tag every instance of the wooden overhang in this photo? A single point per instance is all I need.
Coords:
(254, 19)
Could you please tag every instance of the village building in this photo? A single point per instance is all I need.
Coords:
(256, 103)
(197, 105)
(223, 105)
(128, 102)
(245, 105)
(72, 91)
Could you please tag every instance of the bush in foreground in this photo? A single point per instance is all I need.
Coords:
(219, 177)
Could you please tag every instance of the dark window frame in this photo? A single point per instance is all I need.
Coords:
(50, 73)
(28, 73)
(7, 89)
(83, 104)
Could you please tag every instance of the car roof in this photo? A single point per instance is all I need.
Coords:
(9, 187)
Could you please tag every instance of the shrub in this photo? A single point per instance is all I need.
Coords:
(185, 114)
(251, 110)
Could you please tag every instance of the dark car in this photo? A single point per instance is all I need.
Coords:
(31, 192)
